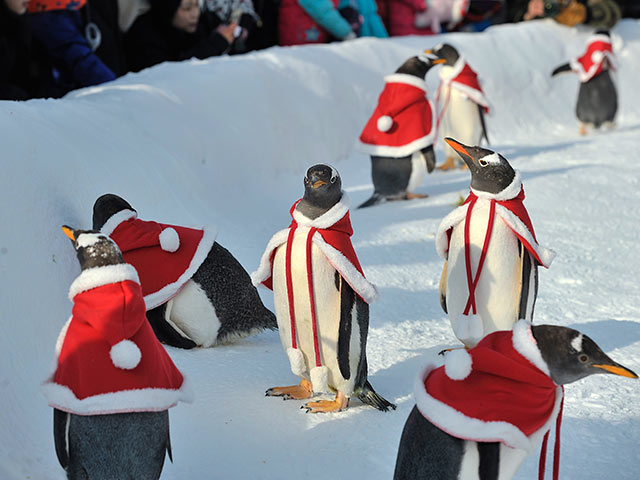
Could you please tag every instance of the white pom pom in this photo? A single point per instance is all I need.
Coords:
(296, 360)
(457, 364)
(125, 355)
(320, 379)
(169, 240)
(385, 122)
(597, 56)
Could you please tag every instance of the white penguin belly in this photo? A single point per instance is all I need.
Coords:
(498, 290)
(327, 303)
(510, 461)
(461, 120)
(418, 170)
(191, 312)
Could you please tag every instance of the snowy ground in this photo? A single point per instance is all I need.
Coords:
(227, 142)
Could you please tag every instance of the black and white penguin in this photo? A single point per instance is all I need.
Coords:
(597, 103)
(321, 297)
(490, 276)
(485, 410)
(114, 382)
(460, 102)
(196, 292)
(399, 135)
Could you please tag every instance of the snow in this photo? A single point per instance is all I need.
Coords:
(226, 142)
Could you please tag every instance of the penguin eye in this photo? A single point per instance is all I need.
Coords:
(583, 358)
(333, 179)
(306, 180)
(483, 163)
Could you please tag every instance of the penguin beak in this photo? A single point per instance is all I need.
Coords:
(462, 151)
(433, 57)
(68, 231)
(618, 370)
(318, 183)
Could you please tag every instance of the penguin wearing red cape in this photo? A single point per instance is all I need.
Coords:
(478, 416)
(196, 292)
(597, 103)
(113, 382)
(460, 101)
(399, 134)
(321, 298)
(490, 275)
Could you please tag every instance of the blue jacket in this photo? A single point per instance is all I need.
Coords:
(326, 15)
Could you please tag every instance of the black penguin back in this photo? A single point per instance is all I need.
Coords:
(597, 100)
(106, 206)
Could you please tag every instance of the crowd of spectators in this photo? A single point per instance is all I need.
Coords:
(50, 47)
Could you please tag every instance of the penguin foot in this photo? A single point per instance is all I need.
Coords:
(294, 392)
(582, 130)
(326, 406)
(449, 164)
(412, 196)
(447, 350)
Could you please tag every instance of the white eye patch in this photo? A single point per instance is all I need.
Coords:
(576, 343)
(492, 159)
(87, 239)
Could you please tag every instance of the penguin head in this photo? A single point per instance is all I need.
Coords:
(571, 355)
(322, 186)
(93, 248)
(419, 65)
(106, 206)
(490, 171)
(446, 53)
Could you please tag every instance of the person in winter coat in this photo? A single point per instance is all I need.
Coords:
(175, 30)
(16, 82)
(235, 11)
(60, 28)
(424, 17)
(598, 14)
(320, 21)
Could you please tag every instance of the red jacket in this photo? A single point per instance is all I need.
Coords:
(296, 27)
(36, 6)
(599, 53)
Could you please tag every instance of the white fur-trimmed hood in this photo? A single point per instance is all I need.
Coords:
(100, 276)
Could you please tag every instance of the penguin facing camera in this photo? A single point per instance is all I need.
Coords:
(597, 103)
(321, 298)
(485, 410)
(490, 274)
(195, 291)
(113, 383)
(399, 134)
(464, 104)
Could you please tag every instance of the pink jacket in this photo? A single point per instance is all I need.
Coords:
(401, 17)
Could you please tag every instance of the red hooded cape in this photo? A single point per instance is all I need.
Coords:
(592, 62)
(463, 78)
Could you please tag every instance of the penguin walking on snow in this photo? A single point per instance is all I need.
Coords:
(321, 297)
(114, 383)
(485, 410)
(490, 276)
(399, 135)
(597, 97)
(460, 101)
(196, 292)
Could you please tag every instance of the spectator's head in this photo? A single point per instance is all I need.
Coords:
(19, 7)
(180, 14)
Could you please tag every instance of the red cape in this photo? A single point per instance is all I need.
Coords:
(465, 79)
(592, 62)
(109, 359)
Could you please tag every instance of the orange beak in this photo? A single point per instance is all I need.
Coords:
(69, 233)
(437, 60)
(457, 146)
(623, 372)
(318, 183)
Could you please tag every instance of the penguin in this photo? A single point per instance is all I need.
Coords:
(515, 380)
(460, 101)
(597, 103)
(324, 333)
(399, 134)
(490, 274)
(113, 383)
(197, 294)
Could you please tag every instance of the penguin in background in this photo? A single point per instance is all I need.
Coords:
(490, 274)
(482, 413)
(113, 382)
(321, 298)
(597, 103)
(460, 102)
(399, 134)
(197, 294)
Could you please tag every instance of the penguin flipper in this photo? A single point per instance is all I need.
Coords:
(169, 452)
(483, 124)
(529, 284)
(489, 456)
(565, 67)
(60, 436)
(374, 200)
(165, 332)
(370, 397)
(347, 311)
(429, 158)
(443, 287)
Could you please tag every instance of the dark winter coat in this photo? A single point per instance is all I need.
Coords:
(15, 52)
(152, 40)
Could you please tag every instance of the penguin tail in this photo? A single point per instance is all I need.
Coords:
(369, 396)
(483, 124)
(374, 200)
(270, 320)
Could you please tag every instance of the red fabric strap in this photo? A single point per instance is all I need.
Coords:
(312, 303)
(292, 314)
(556, 447)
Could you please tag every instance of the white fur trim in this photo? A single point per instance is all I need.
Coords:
(457, 364)
(397, 152)
(264, 268)
(447, 76)
(125, 355)
(452, 71)
(407, 79)
(384, 123)
(461, 426)
(139, 400)
(169, 240)
(296, 360)
(100, 276)
(116, 219)
(165, 293)
(597, 56)
(526, 345)
(507, 193)
(320, 379)
(327, 219)
(474, 95)
(469, 329)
